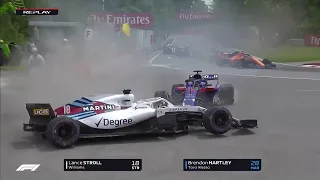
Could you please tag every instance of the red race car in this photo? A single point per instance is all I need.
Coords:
(240, 59)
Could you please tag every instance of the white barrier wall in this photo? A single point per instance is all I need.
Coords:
(105, 35)
(143, 38)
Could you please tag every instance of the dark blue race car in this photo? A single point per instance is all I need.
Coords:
(197, 91)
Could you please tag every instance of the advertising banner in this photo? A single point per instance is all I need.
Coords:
(189, 16)
(312, 40)
(135, 20)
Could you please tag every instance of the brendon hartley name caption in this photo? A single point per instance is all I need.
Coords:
(203, 164)
(102, 165)
(221, 165)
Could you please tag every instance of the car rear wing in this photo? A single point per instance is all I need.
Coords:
(40, 111)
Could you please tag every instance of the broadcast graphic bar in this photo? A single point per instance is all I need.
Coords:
(222, 164)
(102, 165)
(36, 11)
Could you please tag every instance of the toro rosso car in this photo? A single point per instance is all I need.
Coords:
(118, 114)
(241, 59)
(197, 91)
(177, 50)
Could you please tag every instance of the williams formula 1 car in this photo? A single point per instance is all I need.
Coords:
(198, 92)
(116, 115)
(241, 59)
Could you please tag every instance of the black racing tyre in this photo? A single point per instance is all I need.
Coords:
(226, 94)
(173, 89)
(269, 64)
(241, 63)
(217, 120)
(62, 132)
(266, 61)
(162, 94)
(176, 96)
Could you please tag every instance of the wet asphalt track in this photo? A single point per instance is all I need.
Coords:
(287, 109)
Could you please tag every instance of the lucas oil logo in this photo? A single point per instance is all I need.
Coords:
(103, 107)
(41, 112)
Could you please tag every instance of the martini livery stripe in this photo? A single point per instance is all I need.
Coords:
(86, 100)
(82, 102)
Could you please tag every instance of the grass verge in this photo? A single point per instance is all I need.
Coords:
(289, 54)
(12, 68)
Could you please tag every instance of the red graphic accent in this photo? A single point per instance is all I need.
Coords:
(180, 88)
(97, 103)
(312, 40)
(73, 110)
(207, 90)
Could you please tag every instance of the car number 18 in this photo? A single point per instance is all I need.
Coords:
(66, 109)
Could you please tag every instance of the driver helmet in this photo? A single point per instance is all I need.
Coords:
(197, 76)
(65, 41)
(34, 51)
(162, 104)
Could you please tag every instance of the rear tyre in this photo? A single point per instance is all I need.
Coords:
(62, 132)
(269, 63)
(226, 94)
(217, 120)
(241, 63)
(177, 96)
(162, 94)
(266, 61)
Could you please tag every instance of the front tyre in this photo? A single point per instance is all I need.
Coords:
(217, 120)
(63, 132)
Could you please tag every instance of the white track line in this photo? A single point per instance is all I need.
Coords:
(270, 77)
(155, 57)
(311, 90)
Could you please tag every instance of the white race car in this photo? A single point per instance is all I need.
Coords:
(118, 114)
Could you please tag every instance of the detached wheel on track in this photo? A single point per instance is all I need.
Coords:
(217, 120)
(63, 132)
(226, 94)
